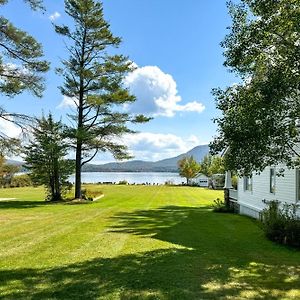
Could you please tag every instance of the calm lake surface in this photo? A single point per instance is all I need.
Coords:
(130, 177)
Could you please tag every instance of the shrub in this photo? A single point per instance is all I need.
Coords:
(90, 195)
(21, 180)
(234, 182)
(219, 206)
(281, 223)
(85, 196)
(217, 181)
(68, 186)
(123, 182)
(169, 182)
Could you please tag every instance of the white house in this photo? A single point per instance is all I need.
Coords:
(266, 186)
(200, 180)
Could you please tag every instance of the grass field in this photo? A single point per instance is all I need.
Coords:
(138, 242)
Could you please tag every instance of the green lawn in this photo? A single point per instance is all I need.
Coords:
(138, 242)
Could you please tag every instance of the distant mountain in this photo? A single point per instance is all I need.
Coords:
(14, 162)
(198, 153)
(17, 163)
(165, 165)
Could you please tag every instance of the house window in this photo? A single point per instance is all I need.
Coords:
(248, 183)
(272, 180)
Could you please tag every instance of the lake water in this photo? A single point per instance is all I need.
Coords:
(130, 177)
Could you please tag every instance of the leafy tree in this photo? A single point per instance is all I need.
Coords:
(260, 116)
(94, 80)
(45, 157)
(205, 165)
(217, 165)
(212, 165)
(21, 68)
(188, 168)
(7, 171)
(20, 181)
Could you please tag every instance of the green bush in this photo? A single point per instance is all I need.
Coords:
(20, 181)
(90, 195)
(234, 181)
(123, 182)
(169, 182)
(85, 195)
(217, 181)
(219, 206)
(281, 223)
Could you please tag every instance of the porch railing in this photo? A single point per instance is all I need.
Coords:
(233, 195)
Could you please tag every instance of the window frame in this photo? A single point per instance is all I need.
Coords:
(272, 181)
(248, 183)
(297, 185)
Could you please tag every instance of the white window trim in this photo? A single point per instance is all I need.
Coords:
(297, 185)
(270, 182)
(246, 178)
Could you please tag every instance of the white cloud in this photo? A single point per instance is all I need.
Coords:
(157, 146)
(133, 64)
(67, 102)
(9, 129)
(157, 93)
(54, 16)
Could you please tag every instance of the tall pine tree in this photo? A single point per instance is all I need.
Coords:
(94, 81)
(21, 68)
(21, 63)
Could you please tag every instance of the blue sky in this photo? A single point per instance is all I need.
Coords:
(175, 45)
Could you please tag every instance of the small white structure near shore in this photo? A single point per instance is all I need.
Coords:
(200, 180)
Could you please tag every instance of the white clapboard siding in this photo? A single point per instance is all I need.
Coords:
(200, 180)
(251, 202)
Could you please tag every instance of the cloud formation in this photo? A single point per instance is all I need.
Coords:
(157, 93)
(54, 16)
(157, 146)
(67, 102)
(9, 129)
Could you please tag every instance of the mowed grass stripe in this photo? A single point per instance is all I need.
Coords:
(48, 231)
(67, 225)
(53, 233)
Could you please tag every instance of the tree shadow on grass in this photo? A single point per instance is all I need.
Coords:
(193, 227)
(220, 257)
(14, 204)
(160, 274)
(22, 204)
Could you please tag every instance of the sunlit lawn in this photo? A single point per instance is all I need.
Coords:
(138, 242)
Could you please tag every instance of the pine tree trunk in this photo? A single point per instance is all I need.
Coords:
(57, 195)
(52, 188)
(78, 171)
(78, 194)
(78, 165)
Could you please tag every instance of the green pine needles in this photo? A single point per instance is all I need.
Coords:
(45, 158)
